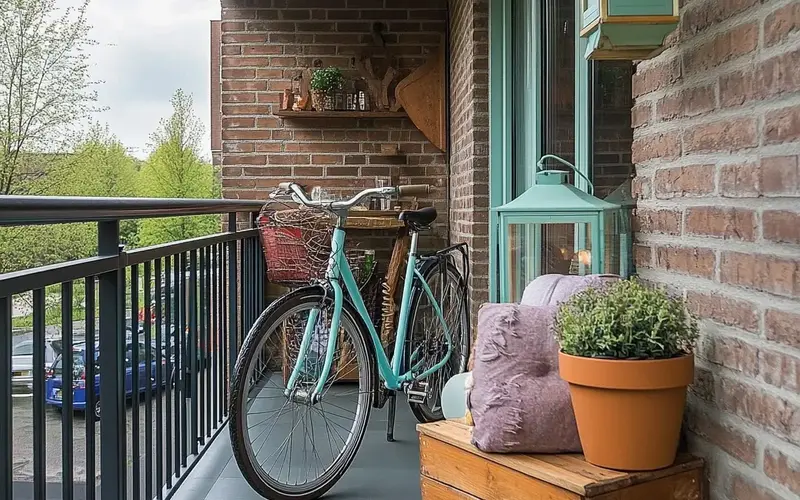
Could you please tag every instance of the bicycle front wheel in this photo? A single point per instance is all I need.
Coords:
(290, 447)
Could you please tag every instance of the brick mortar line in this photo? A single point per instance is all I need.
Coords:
(762, 438)
(759, 205)
(758, 248)
(726, 332)
(762, 107)
(752, 383)
(721, 158)
(713, 75)
(764, 300)
(757, 12)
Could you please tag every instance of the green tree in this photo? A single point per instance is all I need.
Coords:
(99, 166)
(175, 169)
(44, 86)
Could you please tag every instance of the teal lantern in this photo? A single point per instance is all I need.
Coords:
(556, 228)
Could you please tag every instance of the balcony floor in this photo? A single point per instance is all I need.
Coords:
(381, 469)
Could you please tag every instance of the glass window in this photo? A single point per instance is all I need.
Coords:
(611, 132)
(24, 348)
(558, 87)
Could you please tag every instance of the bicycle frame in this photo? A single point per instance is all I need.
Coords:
(339, 272)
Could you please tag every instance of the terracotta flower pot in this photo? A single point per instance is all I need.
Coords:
(318, 99)
(628, 412)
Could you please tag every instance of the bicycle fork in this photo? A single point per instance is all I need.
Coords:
(313, 332)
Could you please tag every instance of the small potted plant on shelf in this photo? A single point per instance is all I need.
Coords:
(323, 82)
(627, 354)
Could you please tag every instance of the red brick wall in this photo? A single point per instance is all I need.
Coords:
(265, 43)
(469, 136)
(717, 120)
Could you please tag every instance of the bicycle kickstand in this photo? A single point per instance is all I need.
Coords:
(392, 411)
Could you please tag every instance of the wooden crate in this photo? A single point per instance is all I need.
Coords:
(453, 469)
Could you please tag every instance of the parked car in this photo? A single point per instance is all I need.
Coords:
(54, 383)
(22, 361)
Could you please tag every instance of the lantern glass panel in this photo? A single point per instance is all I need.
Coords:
(537, 249)
(611, 262)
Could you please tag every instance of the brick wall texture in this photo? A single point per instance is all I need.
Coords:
(266, 43)
(469, 137)
(717, 137)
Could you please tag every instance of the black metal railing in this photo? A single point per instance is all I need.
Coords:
(152, 354)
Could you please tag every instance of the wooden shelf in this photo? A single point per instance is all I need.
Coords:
(341, 114)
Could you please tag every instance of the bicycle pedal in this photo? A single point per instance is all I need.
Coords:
(417, 392)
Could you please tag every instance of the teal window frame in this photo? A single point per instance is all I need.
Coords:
(515, 118)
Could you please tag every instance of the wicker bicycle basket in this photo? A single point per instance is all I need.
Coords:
(296, 243)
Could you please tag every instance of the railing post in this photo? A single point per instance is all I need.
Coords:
(6, 456)
(232, 296)
(112, 367)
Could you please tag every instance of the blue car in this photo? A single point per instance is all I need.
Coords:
(54, 385)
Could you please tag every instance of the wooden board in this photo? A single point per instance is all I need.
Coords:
(434, 490)
(481, 478)
(421, 94)
(684, 486)
(569, 472)
(359, 222)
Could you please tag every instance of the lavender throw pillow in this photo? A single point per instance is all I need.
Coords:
(519, 404)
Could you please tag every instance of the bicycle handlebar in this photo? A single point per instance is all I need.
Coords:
(300, 196)
(414, 190)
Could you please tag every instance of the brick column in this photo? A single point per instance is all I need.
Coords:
(717, 125)
(469, 122)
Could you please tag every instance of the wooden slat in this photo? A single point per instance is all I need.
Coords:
(360, 222)
(577, 465)
(684, 463)
(481, 478)
(434, 490)
(569, 472)
(459, 435)
(684, 486)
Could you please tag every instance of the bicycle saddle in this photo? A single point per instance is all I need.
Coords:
(419, 219)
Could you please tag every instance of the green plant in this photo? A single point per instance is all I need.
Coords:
(626, 320)
(327, 79)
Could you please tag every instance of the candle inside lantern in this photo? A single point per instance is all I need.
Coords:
(585, 257)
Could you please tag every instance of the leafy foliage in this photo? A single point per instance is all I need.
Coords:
(327, 79)
(175, 169)
(626, 320)
(99, 166)
(44, 86)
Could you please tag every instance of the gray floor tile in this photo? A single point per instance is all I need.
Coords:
(194, 488)
(380, 471)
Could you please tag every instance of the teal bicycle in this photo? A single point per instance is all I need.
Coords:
(298, 416)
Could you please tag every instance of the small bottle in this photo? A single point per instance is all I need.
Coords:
(369, 261)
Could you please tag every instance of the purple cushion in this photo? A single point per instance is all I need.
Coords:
(518, 401)
(553, 289)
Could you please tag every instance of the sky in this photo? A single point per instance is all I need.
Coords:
(147, 49)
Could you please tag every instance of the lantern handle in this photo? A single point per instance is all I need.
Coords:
(540, 164)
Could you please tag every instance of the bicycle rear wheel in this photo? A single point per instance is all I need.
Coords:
(426, 337)
(289, 447)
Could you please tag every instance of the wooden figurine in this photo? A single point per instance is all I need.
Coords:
(378, 87)
(303, 97)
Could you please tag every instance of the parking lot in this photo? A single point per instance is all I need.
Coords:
(23, 430)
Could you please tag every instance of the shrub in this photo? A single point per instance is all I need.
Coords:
(326, 79)
(626, 320)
